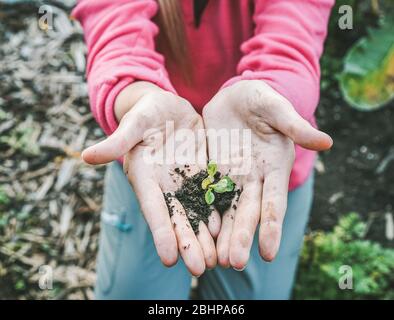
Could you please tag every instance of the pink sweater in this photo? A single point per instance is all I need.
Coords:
(278, 41)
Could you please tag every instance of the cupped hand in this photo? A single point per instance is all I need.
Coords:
(274, 128)
(149, 129)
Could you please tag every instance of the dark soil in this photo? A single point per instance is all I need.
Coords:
(358, 174)
(192, 198)
(223, 201)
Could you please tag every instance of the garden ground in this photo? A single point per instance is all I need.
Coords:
(50, 201)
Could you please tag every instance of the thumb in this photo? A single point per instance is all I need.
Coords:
(290, 123)
(126, 136)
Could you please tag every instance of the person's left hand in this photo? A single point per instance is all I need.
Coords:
(275, 127)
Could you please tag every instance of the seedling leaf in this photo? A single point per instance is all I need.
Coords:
(206, 182)
(209, 197)
(220, 187)
(230, 184)
(212, 168)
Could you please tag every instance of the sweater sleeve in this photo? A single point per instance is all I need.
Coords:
(286, 48)
(121, 49)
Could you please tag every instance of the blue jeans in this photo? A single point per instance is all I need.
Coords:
(129, 267)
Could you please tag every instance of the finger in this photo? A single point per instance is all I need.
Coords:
(223, 240)
(155, 211)
(273, 207)
(246, 220)
(188, 245)
(290, 123)
(214, 223)
(126, 136)
(207, 245)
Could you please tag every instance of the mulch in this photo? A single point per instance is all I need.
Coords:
(49, 200)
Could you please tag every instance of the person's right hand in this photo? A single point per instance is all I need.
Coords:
(137, 136)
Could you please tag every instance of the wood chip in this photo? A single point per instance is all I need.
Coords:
(43, 190)
(65, 219)
(65, 174)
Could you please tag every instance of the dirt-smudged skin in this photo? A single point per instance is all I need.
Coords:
(192, 197)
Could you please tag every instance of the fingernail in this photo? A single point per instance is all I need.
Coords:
(242, 269)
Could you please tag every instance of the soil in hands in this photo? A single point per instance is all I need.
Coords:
(192, 197)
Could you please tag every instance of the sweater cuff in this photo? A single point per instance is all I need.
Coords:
(109, 109)
(110, 122)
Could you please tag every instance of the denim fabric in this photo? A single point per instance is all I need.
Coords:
(129, 267)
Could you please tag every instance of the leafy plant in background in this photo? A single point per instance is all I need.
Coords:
(4, 200)
(372, 23)
(367, 80)
(324, 253)
(23, 138)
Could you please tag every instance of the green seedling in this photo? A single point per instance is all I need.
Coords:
(225, 184)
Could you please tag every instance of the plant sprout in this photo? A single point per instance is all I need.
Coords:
(225, 184)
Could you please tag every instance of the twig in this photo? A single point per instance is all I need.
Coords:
(385, 162)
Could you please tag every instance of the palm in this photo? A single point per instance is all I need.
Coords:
(146, 136)
(268, 161)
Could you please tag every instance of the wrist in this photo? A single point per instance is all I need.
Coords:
(129, 96)
(228, 98)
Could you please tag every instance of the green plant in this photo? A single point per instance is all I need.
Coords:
(22, 138)
(225, 184)
(324, 253)
(367, 78)
(4, 115)
(367, 14)
(4, 200)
